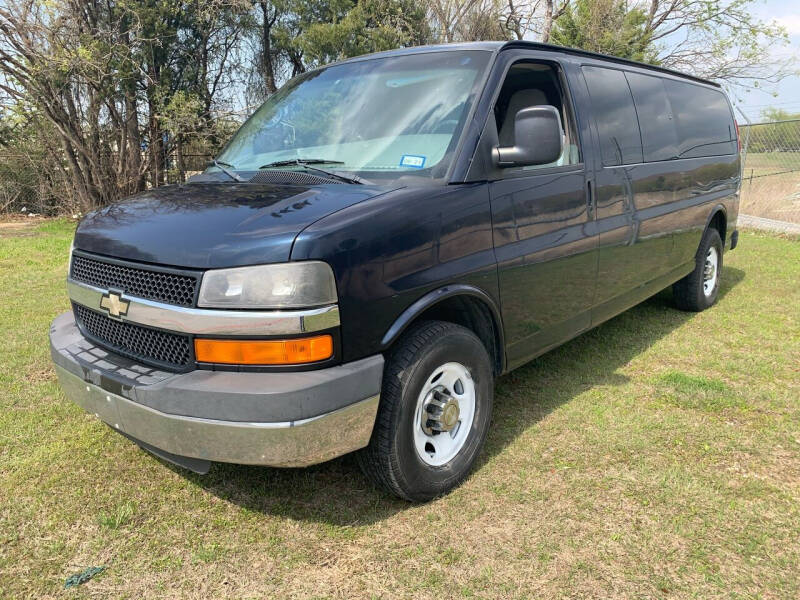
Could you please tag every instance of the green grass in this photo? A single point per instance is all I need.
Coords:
(657, 456)
(771, 162)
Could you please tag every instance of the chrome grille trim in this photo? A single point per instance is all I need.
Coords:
(210, 321)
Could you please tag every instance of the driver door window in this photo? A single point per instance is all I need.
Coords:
(534, 84)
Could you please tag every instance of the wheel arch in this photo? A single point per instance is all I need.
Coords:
(464, 305)
(718, 218)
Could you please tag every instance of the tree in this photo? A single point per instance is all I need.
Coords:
(606, 26)
(773, 114)
(294, 35)
(466, 20)
(103, 77)
(62, 60)
(367, 26)
(30, 173)
(779, 131)
(715, 39)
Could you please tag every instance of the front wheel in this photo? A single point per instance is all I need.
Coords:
(434, 414)
(700, 288)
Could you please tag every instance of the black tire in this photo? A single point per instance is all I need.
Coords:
(688, 292)
(391, 460)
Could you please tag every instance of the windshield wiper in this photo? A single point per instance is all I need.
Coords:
(221, 166)
(301, 161)
(306, 163)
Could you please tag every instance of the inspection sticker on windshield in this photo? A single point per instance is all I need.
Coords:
(412, 160)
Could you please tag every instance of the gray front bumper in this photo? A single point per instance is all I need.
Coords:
(276, 419)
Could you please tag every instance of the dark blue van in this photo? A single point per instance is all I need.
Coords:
(384, 237)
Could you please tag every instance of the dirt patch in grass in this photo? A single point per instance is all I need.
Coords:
(19, 228)
(772, 196)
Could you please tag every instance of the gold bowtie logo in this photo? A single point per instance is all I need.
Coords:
(114, 304)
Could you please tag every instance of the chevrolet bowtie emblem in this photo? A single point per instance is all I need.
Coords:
(114, 304)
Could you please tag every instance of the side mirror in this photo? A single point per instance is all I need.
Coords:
(538, 139)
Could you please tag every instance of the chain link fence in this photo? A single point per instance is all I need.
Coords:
(771, 170)
(16, 195)
(36, 185)
(180, 168)
(31, 184)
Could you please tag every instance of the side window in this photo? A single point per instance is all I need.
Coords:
(704, 121)
(659, 134)
(615, 116)
(533, 84)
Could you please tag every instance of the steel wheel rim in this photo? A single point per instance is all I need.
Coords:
(710, 271)
(453, 383)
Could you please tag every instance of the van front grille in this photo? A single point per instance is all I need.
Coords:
(161, 286)
(171, 351)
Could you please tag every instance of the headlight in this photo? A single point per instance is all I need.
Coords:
(284, 285)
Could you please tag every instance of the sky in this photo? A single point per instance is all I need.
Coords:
(786, 94)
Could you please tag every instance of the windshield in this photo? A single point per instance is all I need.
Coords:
(380, 118)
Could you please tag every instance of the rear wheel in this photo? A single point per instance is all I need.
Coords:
(700, 288)
(435, 408)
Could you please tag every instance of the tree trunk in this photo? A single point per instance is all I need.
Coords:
(547, 26)
(179, 156)
(266, 49)
(134, 142)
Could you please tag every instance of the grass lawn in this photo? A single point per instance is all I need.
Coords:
(762, 163)
(656, 456)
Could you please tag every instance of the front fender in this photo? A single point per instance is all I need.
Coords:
(435, 297)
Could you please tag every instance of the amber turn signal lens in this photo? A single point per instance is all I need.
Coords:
(264, 352)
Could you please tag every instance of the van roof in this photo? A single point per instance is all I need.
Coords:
(498, 46)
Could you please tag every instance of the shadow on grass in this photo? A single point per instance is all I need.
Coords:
(336, 494)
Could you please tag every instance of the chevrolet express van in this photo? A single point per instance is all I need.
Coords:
(382, 239)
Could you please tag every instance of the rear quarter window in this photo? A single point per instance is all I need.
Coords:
(703, 120)
(614, 115)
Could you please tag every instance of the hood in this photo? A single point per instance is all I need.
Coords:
(213, 225)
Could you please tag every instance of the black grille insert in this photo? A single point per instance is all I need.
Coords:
(160, 348)
(161, 286)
